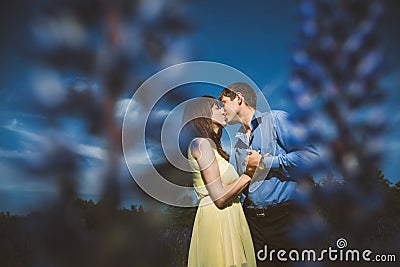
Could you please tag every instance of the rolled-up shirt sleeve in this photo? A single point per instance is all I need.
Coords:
(296, 157)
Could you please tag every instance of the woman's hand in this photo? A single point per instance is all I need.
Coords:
(246, 178)
(250, 171)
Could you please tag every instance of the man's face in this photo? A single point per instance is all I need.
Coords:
(231, 109)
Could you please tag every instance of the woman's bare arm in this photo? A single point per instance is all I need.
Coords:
(202, 150)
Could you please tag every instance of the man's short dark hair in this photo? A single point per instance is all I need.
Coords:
(247, 92)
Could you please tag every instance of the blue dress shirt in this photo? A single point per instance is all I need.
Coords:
(290, 158)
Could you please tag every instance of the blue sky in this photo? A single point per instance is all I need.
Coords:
(255, 37)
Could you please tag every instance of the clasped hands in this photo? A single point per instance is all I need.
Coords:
(253, 160)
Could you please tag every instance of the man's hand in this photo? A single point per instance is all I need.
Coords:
(252, 161)
(253, 158)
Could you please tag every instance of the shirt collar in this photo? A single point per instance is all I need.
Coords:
(255, 121)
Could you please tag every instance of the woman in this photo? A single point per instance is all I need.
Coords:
(221, 236)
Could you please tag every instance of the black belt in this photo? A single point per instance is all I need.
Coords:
(277, 174)
(261, 211)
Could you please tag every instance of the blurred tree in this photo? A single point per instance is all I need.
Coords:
(86, 55)
(334, 85)
(134, 237)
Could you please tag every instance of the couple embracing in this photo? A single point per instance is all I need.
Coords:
(227, 231)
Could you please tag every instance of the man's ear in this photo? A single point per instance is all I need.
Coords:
(240, 98)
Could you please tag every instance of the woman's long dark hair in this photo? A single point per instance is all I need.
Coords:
(197, 123)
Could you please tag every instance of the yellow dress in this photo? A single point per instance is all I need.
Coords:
(220, 237)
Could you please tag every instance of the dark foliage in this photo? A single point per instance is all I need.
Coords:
(80, 235)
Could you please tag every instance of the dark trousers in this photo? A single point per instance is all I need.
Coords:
(271, 231)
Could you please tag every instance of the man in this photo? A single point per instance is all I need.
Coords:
(273, 143)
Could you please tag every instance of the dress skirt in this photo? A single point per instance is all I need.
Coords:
(221, 237)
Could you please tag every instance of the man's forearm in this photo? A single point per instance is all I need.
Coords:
(299, 161)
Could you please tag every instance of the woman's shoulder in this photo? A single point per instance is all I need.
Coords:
(200, 144)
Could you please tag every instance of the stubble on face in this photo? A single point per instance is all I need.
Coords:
(230, 109)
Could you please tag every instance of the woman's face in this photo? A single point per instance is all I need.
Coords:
(218, 116)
